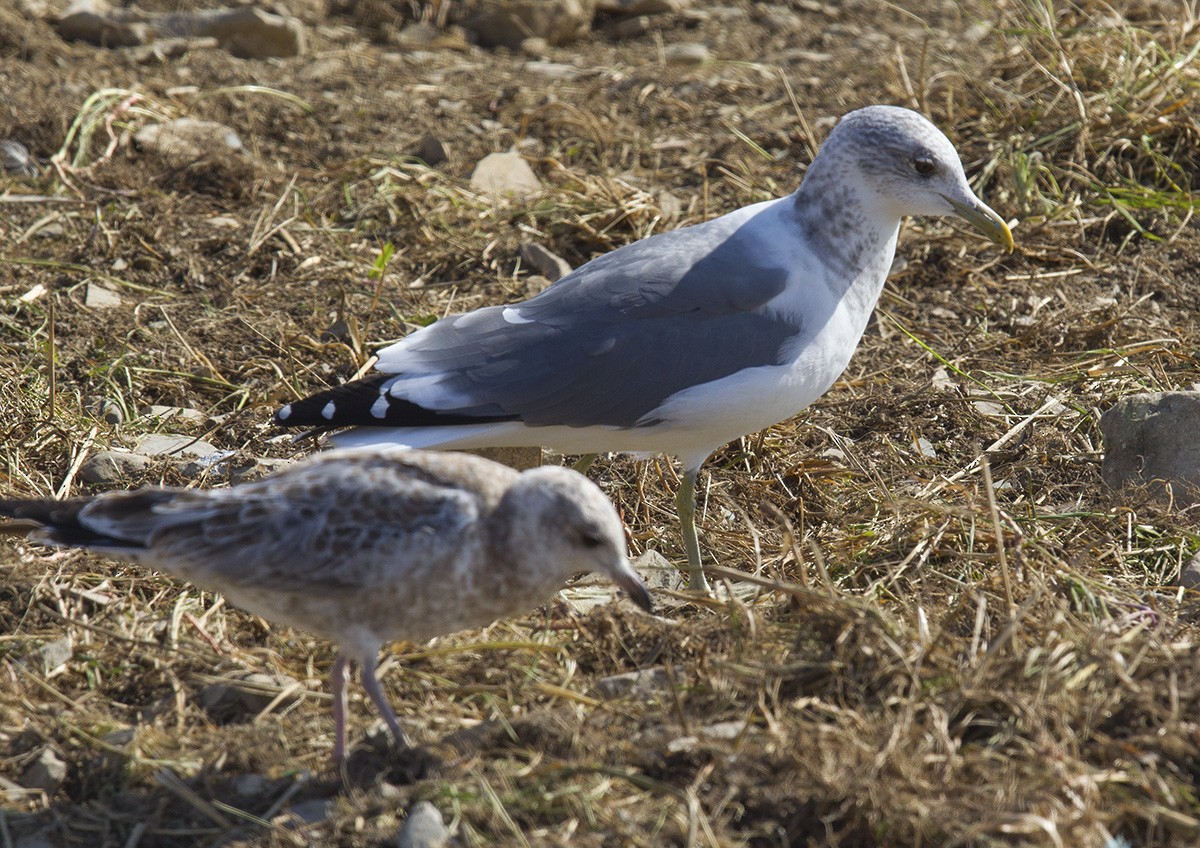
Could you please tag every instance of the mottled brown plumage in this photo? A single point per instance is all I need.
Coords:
(363, 547)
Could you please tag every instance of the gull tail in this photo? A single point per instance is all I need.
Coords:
(65, 522)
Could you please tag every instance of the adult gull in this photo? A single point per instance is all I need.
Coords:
(680, 342)
(362, 547)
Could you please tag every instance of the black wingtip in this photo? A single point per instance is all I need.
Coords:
(356, 404)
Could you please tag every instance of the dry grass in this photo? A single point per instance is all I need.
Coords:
(946, 631)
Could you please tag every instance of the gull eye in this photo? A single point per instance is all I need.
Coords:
(924, 166)
(590, 540)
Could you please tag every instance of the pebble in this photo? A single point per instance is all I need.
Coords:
(544, 260)
(109, 467)
(173, 444)
(504, 173)
(644, 684)
(1151, 439)
(431, 150)
(16, 159)
(687, 54)
(1189, 573)
(46, 773)
(246, 694)
(100, 297)
(184, 140)
(56, 654)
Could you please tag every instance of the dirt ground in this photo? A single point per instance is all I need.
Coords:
(930, 656)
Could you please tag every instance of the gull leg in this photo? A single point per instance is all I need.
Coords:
(685, 505)
(371, 683)
(584, 463)
(339, 675)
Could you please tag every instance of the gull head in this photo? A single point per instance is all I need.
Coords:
(910, 167)
(565, 525)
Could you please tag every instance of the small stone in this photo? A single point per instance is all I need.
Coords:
(246, 695)
(108, 411)
(54, 655)
(96, 22)
(423, 828)
(173, 444)
(431, 150)
(629, 27)
(110, 467)
(183, 413)
(100, 297)
(15, 158)
(312, 811)
(507, 23)
(638, 7)
(668, 204)
(504, 173)
(658, 571)
(726, 730)
(185, 140)
(535, 46)
(46, 773)
(687, 54)
(552, 70)
(645, 684)
(550, 264)
(246, 32)
(250, 785)
(1189, 573)
(1152, 438)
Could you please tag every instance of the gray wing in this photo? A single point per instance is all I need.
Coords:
(333, 524)
(609, 342)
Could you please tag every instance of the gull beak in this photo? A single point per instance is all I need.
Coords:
(982, 218)
(631, 582)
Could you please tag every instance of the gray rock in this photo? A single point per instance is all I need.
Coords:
(246, 32)
(246, 694)
(15, 158)
(108, 467)
(186, 140)
(423, 828)
(506, 23)
(629, 27)
(165, 413)
(250, 785)
(645, 684)
(108, 411)
(431, 150)
(96, 22)
(1155, 439)
(543, 259)
(1189, 573)
(725, 730)
(173, 444)
(100, 297)
(46, 773)
(639, 7)
(552, 70)
(312, 811)
(686, 54)
(658, 571)
(536, 47)
(504, 173)
(56, 654)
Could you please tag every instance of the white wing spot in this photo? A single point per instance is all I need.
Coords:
(328, 412)
(513, 315)
(284, 413)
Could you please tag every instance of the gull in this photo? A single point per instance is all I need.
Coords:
(361, 547)
(680, 342)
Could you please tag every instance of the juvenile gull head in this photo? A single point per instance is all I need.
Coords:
(680, 342)
(363, 547)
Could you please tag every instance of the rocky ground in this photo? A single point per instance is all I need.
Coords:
(940, 626)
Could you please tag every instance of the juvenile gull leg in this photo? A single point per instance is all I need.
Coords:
(685, 505)
(371, 684)
(339, 676)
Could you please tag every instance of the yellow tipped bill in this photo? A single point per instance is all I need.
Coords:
(983, 218)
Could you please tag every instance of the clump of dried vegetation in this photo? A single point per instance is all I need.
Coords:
(941, 629)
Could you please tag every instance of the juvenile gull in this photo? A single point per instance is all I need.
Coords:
(363, 547)
(680, 342)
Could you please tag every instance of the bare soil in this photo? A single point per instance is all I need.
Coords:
(930, 658)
